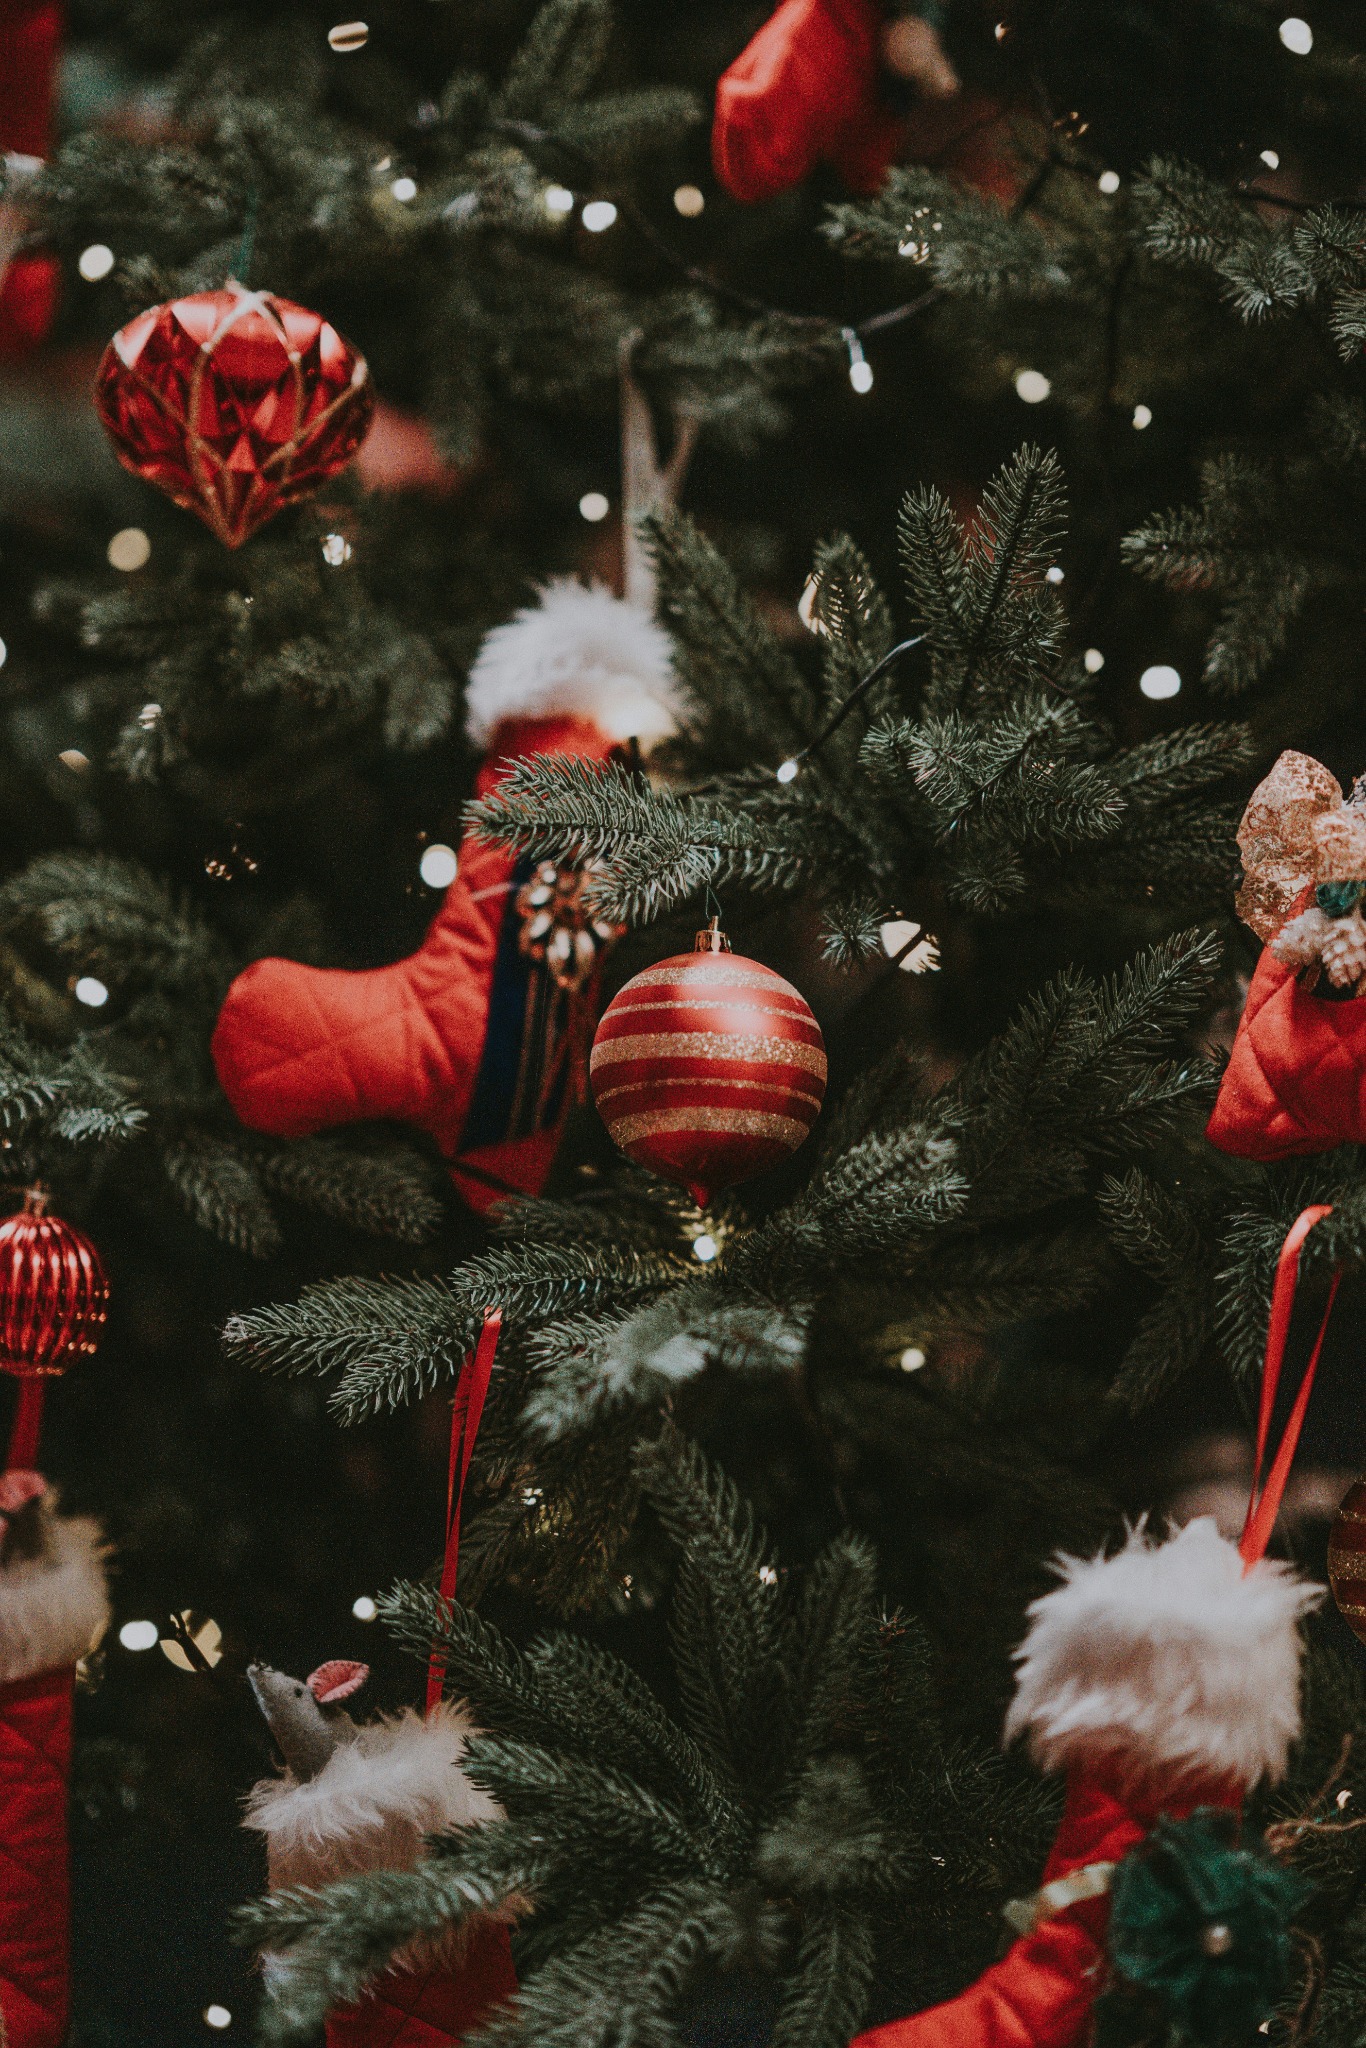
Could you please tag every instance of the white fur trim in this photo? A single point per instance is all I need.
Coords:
(53, 1608)
(1165, 1658)
(580, 651)
(372, 1801)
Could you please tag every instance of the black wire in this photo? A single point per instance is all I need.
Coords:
(859, 689)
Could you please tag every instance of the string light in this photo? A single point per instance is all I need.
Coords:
(860, 369)
(1159, 682)
(1270, 158)
(1108, 181)
(1344, 1798)
(74, 759)
(787, 772)
(704, 1247)
(4, 652)
(149, 717)
(1143, 416)
(95, 262)
(559, 200)
(364, 1608)
(336, 550)
(767, 1575)
(1296, 35)
(139, 1635)
(598, 216)
(593, 506)
(129, 549)
(206, 1638)
(349, 35)
(91, 991)
(438, 866)
(912, 1358)
(1053, 574)
(1093, 661)
(217, 2017)
(806, 605)
(914, 949)
(1032, 386)
(404, 189)
(689, 201)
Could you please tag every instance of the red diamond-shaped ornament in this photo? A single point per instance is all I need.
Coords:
(234, 403)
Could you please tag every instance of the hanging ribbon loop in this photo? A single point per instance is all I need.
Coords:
(467, 1412)
(1264, 1501)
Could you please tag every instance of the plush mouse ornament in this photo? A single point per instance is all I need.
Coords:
(356, 1798)
(480, 1037)
(53, 1609)
(1163, 1682)
(1296, 1080)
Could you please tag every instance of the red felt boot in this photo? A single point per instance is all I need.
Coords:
(1161, 1679)
(53, 1608)
(30, 35)
(480, 1037)
(377, 1791)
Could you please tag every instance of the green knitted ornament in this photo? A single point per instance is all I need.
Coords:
(1199, 1932)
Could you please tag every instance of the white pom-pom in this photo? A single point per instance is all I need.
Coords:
(581, 652)
(53, 1607)
(1166, 1659)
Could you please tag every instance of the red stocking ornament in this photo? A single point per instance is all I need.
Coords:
(1158, 1680)
(30, 37)
(480, 1037)
(362, 1798)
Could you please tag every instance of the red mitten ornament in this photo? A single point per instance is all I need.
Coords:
(234, 403)
(480, 1037)
(1159, 1680)
(362, 1798)
(53, 1608)
(30, 39)
(1296, 1079)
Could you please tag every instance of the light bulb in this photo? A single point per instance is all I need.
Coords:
(139, 1635)
(1052, 574)
(704, 1248)
(1271, 159)
(129, 549)
(689, 201)
(364, 1608)
(217, 2017)
(598, 216)
(336, 550)
(1296, 35)
(349, 35)
(1093, 661)
(767, 1575)
(4, 651)
(74, 759)
(1159, 682)
(404, 189)
(861, 376)
(95, 262)
(559, 200)
(787, 772)
(1108, 181)
(1032, 386)
(91, 991)
(912, 1358)
(1143, 416)
(438, 866)
(593, 506)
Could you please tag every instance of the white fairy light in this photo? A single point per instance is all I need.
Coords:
(4, 651)
(1271, 159)
(1143, 416)
(364, 1608)
(95, 262)
(129, 549)
(139, 1635)
(74, 759)
(336, 550)
(1053, 574)
(704, 1247)
(1032, 386)
(915, 950)
(1108, 181)
(1093, 661)
(438, 866)
(217, 2017)
(860, 369)
(598, 216)
(1159, 682)
(806, 605)
(1296, 35)
(348, 35)
(593, 506)
(787, 772)
(912, 1358)
(91, 991)
(767, 1575)
(558, 200)
(149, 717)
(404, 189)
(689, 200)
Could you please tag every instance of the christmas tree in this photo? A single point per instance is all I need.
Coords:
(963, 461)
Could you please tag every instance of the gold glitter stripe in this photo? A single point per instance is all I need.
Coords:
(708, 1045)
(719, 972)
(736, 1123)
(721, 999)
(611, 1092)
(1357, 1515)
(1346, 1564)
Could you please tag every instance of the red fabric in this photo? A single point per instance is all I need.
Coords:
(427, 2008)
(303, 1049)
(1296, 1081)
(1041, 1993)
(29, 38)
(35, 1767)
(805, 91)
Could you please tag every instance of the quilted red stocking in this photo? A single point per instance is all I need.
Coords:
(480, 1037)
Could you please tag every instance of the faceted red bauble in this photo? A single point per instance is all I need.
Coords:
(54, 1297)
(234, 403)
(708, 1068)
(1347, 1558)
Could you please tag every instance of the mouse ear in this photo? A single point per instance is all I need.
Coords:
(337, 1680)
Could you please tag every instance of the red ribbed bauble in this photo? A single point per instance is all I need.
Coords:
(1347, 1558)
(708, 1068)
(234, 403)
(54, 1298)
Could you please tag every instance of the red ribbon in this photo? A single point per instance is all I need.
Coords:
(467, 1412)
(1264, 1503)
(22, 1455)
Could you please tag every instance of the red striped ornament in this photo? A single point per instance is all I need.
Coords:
(54, 1298)
(708, 1068)
(1347, 1558)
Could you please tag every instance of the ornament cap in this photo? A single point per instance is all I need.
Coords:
(712, 940)
(36, 1200)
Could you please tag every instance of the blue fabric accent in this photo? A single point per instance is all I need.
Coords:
(495, 1086)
